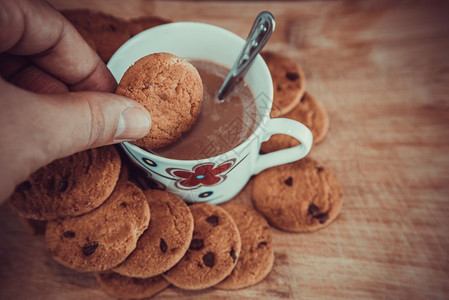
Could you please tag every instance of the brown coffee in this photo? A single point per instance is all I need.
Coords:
(221, 126)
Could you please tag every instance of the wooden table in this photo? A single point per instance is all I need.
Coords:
(381, 69)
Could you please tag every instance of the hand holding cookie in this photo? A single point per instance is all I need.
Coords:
(42, 58)
(170, 88)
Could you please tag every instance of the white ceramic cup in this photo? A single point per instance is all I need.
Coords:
(218, 178)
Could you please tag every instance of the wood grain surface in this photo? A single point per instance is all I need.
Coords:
(381, 69)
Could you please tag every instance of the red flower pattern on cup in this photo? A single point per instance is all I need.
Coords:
(206, 174)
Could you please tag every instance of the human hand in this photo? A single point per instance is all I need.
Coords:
(55, 93)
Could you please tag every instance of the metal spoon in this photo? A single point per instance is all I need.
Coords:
(259, 35)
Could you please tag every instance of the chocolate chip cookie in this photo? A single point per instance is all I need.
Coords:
(103, 238)
(69, 186)
(170, 88)
(165, 241)
(289, 82)
(257, 254)
(310, 113)
(302, 196)
(213, 252)
(130, 288)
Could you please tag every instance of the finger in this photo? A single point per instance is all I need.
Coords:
(21, 72)
(37, 30)
(34, 79)
(60, 128)
(83, 120)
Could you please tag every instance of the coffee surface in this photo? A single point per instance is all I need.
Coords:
(221, 126)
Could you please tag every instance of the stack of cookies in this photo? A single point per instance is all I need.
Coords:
(292, 101)
(139, 241)
(303, 196)
(99, 214)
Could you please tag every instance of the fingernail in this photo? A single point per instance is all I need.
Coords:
(134, 123)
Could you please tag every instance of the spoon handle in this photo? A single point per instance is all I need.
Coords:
(259, 35)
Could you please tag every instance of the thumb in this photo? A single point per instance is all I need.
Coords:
(77, 121)
(36, 129)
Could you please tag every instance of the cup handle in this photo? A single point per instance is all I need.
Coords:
(288, 127)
